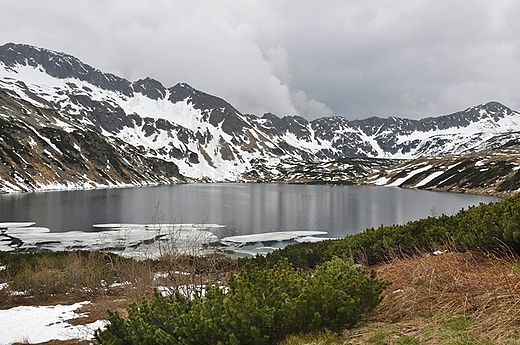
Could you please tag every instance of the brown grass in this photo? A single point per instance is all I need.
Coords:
(475, 294)
(96, 276)
(72, 277)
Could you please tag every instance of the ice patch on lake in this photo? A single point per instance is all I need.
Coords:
(264, 243)
(133, 240)
(27, 230)
(270, 236)
(312, 239)
(156, 227)
(5, 245)
(4, 226)
(149, 240)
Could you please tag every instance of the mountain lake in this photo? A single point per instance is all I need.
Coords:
(224, 210)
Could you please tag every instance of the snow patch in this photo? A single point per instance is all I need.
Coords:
(38, 324)
(429, 178)
(131, 240)
(14, 225)
(399, 181)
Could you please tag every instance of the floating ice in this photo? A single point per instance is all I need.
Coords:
(185, 226)
(156, 227)
(148, 240)
(7, 225)
(26, 230)
(5, 245)
(312, 239)
(264, 243)
(270, 237)
(118, 226)
(136, 240)
(250, 251)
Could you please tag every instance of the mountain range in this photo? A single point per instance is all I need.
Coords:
(65, 125)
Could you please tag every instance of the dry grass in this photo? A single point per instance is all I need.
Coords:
(110, 282)
(95, 276)
(72, 276)
(472, 297)
(322, 338)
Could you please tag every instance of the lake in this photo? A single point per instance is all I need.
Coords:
(241, 208)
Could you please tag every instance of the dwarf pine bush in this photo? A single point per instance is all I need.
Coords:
(259, 306)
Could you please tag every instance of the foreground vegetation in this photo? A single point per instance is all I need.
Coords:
(256, 307)
(453, 298)
(468, 295)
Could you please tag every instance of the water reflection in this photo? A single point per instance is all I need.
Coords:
(243, 208)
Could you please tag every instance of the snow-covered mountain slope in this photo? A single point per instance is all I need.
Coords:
(347, 171)
(55, 106)
(40, 149)
(471, 130)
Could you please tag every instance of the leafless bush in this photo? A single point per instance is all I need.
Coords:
(186, 259)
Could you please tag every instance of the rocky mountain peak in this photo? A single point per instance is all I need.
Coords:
(496, 108)
(181, 91)
(218, 110)
(150, 87)
(199, 99)
(61, 66)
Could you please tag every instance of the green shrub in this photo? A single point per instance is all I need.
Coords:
(260, 306)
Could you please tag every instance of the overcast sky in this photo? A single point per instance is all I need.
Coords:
(355, 58)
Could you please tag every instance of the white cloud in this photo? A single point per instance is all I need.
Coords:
(278, 59)
(278, 62)
(309, 108)
(470, 93)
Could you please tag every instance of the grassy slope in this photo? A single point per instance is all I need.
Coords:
(454, 298)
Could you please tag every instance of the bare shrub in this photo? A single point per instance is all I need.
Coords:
(133, 278)
(186, 261)
(42, 280)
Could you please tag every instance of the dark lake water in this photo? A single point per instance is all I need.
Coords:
(242, 208)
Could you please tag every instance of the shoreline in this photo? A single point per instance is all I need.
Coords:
(67, 188)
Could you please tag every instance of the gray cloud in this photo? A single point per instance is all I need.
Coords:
(351, 58)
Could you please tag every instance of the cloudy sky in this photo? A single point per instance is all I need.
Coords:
(354, 58)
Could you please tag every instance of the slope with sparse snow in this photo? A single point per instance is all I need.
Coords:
(494, 171)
